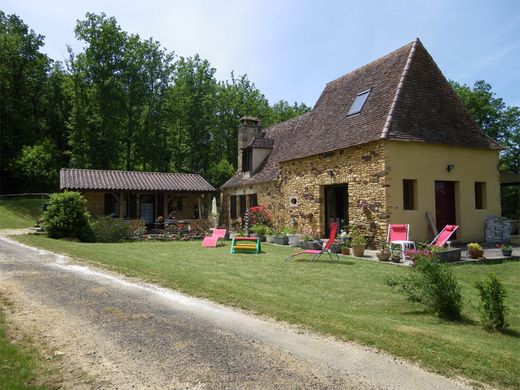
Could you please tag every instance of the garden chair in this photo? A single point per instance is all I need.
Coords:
(211, 241)
(399, 234)
(325, 248)
(443, 237)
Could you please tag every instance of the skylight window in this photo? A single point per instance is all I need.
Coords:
(359, 102)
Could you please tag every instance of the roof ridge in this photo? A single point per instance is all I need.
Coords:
(372, 62)
(124, 171)
(388, 122)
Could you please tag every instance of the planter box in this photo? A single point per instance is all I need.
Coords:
(450, 255)
(310, 245)
(269, 239)
(294, 239)
(281, 240)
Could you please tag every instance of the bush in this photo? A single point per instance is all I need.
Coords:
(66, 216)
(492, 309)
(107, 229)
(259, 215)
(432, 284)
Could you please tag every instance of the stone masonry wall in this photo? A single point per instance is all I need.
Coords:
(95, 203)
(362, 168)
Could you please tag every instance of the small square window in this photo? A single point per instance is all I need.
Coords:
(409, 194)
(359, 102)
(480, 195)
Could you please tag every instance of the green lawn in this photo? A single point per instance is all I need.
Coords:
(348, 299)
(19, 212)
(18, 365)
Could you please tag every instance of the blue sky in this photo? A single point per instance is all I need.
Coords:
(291, 49)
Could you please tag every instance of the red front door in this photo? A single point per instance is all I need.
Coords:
(444, 204)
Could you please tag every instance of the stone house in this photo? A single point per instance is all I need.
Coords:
(389, 142)
(140, 195)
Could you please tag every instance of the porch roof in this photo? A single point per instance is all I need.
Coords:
(94, 179)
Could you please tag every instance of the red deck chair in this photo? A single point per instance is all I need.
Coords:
(443, 237)
(211, 241)
(318, 252)
(399, 234)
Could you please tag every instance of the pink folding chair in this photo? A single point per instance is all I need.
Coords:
(211, 241)
(444, 236)
(399, 234)
(325, 249)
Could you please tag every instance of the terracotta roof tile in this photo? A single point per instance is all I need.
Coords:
(93, 179)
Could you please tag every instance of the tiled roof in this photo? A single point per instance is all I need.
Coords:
(93, 179)
(410, 100)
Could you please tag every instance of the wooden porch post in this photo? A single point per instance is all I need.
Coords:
(200, 211)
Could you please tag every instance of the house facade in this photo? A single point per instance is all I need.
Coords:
(387, 143)
(141, 195)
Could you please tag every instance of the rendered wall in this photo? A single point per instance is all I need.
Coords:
(427, 163)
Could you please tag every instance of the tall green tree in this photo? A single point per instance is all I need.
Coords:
(191, 107)
(502, 123)
(499, 121)
(23, 76)
(98, 105)
(282, 111)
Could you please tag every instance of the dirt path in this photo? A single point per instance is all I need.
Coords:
(112, 332)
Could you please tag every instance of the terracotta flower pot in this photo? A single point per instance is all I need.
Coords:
(475, 254)
(358, 250)
(383, 255)
(345, 251)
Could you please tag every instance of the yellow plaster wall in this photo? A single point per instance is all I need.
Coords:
(427, 163)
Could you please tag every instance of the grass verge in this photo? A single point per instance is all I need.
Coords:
(19, 212)
(19, 363)
(348, 299)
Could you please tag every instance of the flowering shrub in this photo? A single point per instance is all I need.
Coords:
(415, 254)
(259, 215)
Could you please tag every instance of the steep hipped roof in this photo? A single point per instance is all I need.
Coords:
(93, 179)
(409, 100)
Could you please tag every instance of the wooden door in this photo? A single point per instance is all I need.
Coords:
(445, 213)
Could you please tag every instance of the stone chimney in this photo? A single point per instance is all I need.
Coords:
(248, 130)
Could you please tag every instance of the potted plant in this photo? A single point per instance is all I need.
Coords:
(345, 250)
(259, 230)
(269, 235)
(507, 250)
(357, 242)
(385, 252)
(396, 256)
(475, 251)
(280, 238)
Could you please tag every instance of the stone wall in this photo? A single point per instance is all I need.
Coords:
(95, 203)
(362, 168)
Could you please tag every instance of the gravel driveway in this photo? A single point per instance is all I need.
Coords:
(113, 332)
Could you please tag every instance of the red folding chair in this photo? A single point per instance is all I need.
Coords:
(399, 234)
(325, 249)
(211, 241)
(444, 236)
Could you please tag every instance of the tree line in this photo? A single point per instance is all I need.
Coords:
(123, 102)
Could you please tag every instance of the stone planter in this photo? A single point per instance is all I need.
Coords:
(450, 255)
(383, 255)
(507, 252)
(475, 254)
(281, 240)
(309, 245)
(345, 250)
(269, 239)
(294, 239)
(358, 250)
